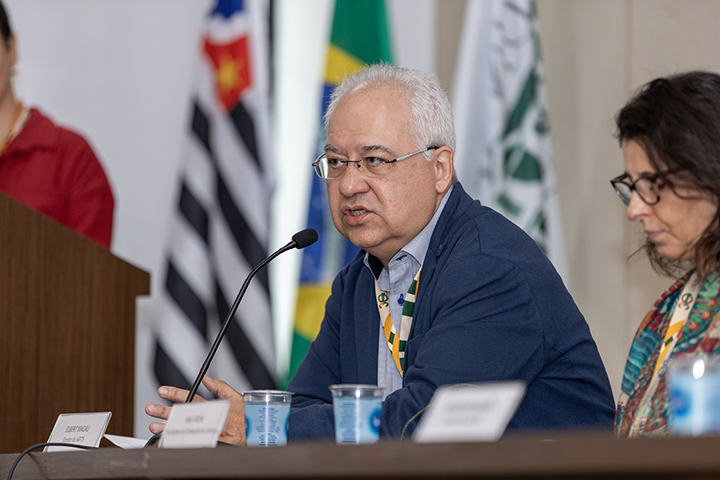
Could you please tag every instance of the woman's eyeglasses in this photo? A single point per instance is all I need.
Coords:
(648, 186)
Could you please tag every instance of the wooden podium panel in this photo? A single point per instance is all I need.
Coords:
(67, 326)
(566, 457)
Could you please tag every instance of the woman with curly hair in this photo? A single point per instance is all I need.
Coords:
(670, 138)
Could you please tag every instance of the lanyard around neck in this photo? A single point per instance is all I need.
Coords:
(21, 116)
(396, 342)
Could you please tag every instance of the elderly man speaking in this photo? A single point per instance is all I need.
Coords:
(488, 304)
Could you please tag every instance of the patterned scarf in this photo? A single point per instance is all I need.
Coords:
(700, 334)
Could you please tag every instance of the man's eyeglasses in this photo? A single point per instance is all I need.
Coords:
(648, 186)
(329, 166)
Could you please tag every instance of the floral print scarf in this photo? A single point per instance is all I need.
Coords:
(700, 334)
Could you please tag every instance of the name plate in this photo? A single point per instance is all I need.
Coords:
(78, 429)
(470, 412)
(195, 425)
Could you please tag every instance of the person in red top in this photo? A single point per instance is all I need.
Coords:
(49, 168)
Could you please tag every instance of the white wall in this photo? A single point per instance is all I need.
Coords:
(120, 73)
(597, 54)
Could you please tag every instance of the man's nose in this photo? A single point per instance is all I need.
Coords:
(353, 180)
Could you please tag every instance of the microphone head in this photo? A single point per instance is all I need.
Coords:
(305, 238)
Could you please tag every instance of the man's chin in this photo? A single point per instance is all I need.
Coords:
(364, 242)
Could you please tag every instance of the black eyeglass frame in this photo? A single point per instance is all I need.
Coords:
(652, 178)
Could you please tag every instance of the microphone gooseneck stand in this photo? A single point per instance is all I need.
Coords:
(300, 240)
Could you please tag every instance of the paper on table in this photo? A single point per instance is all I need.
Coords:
(128, 443)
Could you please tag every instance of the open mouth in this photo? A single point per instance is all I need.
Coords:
(357, 213)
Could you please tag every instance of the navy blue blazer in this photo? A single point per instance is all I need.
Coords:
(490, 307)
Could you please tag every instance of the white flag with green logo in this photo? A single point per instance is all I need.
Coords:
(504, 153)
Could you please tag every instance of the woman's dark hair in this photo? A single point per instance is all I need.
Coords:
(677, 121)
(5, 29)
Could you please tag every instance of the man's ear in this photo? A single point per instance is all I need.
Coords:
(443, 161)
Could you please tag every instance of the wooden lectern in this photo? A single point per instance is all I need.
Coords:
(67, 327)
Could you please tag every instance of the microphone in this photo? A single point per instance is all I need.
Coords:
(304, 238)
(300, 240)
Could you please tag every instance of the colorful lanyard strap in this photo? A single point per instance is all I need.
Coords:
(396, 343)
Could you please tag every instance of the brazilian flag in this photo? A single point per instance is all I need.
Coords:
(359, 36)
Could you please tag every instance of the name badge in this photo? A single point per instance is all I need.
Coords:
(195, 425)
(470, 412)
(78, 429)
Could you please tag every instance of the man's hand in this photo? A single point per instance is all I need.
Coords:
(234, 432)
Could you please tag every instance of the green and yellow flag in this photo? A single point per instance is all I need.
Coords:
(359, 36)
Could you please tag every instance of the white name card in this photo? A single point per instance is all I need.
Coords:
(195, 425)
(470, 412)
(78, 429)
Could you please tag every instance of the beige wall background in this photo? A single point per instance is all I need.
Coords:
(596, 54)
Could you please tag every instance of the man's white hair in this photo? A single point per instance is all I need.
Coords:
(431, 122)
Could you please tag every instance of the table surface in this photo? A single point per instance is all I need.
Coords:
(567, 456)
